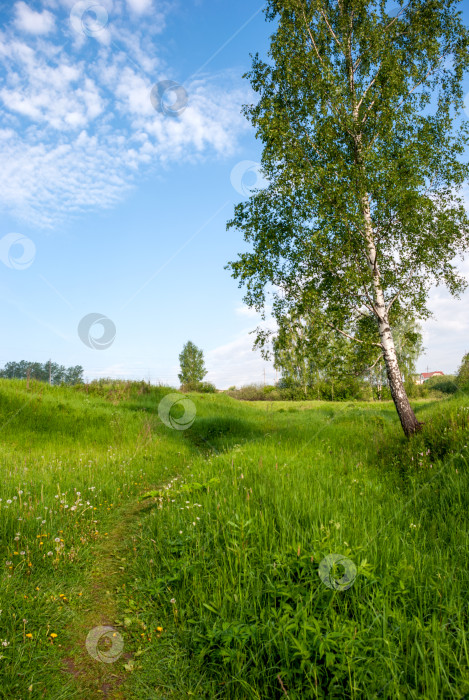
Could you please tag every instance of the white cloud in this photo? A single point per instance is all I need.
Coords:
(79, 127)
(140, 6)
(446, 335)
(246, 311)
(31, 22)
(237, 364)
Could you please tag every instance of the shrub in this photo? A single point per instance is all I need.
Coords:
(200, 387)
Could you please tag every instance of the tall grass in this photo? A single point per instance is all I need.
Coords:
(219, 593)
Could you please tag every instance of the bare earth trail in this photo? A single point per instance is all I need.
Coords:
(100, 608)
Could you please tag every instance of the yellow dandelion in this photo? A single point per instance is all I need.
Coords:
(29, 635)
(53, 635)
(159, 629)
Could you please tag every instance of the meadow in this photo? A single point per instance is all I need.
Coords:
(204, 553)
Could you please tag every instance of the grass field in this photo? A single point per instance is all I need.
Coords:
(201, 548)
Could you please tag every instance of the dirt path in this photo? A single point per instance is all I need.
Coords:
(97, 653)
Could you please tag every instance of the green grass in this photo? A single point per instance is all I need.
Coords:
(223, 553)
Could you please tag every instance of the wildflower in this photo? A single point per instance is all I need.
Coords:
(50, 554)
(9, 501)
(57, 539)
(173, 600)
(29, 635)
(159, 629)
(5, 643)
(53, 635)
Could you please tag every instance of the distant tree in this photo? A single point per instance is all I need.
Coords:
(74, 375)
(359, 112)
(192, 364)
(305, 351)
(57, 374)
(462, 379)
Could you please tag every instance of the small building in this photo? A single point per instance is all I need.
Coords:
(425, 376)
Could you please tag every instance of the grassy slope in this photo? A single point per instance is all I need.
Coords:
(259, 495)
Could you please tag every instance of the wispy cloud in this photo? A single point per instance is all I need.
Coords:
(78, 125)
(31, 22)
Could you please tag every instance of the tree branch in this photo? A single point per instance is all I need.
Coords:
(350, 337)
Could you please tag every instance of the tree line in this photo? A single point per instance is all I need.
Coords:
(50, 372)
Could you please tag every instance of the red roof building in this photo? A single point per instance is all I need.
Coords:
(425, 376)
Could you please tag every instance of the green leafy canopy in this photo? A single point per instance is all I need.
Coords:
(354, 102)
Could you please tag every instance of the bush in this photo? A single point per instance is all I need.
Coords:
(199, 387)
(436, 386)
(250, 392)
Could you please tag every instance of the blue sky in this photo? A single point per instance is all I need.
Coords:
(112, 204)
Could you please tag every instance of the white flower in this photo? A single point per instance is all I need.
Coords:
(57, 539)
(9, 501)
(173, 600)
(5, 643)
(49, 554)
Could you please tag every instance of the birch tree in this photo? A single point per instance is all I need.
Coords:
(359, 113)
